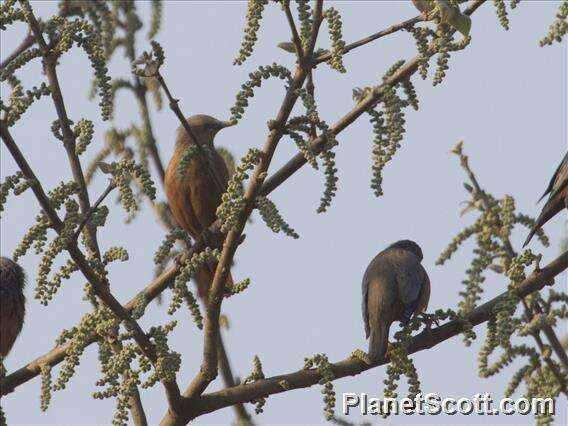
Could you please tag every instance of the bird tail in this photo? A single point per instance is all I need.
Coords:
(204, 279)
(552, 207)
(378, 342)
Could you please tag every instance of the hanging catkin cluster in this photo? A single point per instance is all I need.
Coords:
(294, 128)
(255, 80)
(269, 213)
(255, 375)
(252, 25)
(559, 27)
(400, 362)
(388, 123)
(327, 155)
(84, 133)
(180, 289)
(15, 183)
(337, 44)
(122, 173)
(322, 365)
(305, 17)
(233, 201)
(20, 101)
(493, 229)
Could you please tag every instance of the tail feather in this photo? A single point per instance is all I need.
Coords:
(551, 208)
(378, 342)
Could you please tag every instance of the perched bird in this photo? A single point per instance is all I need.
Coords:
(557, 200)
(194, 193)
(12, 303)
(395, 287)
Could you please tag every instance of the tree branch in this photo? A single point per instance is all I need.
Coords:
(159, 284)
(50, 64)
(547, 329)
(352, 366)
(22, 47)
(374, 96)
(94, 208)
(295, 36)
(50, 61)
(100, 288)
(392, 29)
(140, 93)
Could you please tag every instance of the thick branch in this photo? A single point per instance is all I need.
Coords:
(350, 367)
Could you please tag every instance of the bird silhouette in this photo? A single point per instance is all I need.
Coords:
(557, 200)
(395, 287)
(12, 303)
(195, 193)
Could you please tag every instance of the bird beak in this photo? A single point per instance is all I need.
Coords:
(227, 123)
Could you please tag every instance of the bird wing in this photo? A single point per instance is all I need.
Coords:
(556, 201)
(178, 191)
(559, 178)
(411, 278)
(205, 195)
(364, 306)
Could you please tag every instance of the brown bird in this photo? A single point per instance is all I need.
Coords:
(12, 303)
(557, 200)
(195, 194)
(395, 287)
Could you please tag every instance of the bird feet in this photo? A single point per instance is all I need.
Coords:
(429, 319)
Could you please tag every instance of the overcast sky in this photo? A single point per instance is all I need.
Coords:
(504, 96)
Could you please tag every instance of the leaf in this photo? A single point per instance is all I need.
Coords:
(496, 268)
(288, 46)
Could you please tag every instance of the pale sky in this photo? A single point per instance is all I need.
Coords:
(504, 96)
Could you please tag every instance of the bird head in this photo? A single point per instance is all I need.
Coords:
(410, 246)
(205, 127)
(12, 277)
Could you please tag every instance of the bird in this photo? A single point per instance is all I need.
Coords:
(557, 200)
(195, 194)
(12, 303)
(395, 287)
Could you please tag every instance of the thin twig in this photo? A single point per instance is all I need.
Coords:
(94, 208)
(295, 36)
(392, 29)
(140, 91)
(50, 64)
(22, 47)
